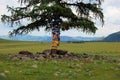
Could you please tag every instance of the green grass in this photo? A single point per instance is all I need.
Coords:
(60, 69)
(109, 48)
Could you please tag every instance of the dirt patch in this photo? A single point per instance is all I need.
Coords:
(59, 54)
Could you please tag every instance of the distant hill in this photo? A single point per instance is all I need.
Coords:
(49, 38)
(115, 37)
(1, 39)
(4, 40)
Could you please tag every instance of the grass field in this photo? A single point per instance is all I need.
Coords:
(60, 69)
(109, 48)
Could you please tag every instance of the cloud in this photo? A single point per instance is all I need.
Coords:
(111, 9)
(3, 10)
(3, 5)
(108, 3)
(107, 29)
(112, 15)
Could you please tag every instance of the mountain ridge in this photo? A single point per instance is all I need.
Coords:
(114, 37)
(49, 38)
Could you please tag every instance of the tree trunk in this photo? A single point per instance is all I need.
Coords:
(55, 34)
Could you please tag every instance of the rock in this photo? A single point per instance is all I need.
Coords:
(53, 51)
(35, 66)
(118, 65)
(40, 57)
(88, 60)
(15, 57)
(25, 53)
(97, 57)
(56, 74)
(3, 75)
(104, 57)
(6, 72)
(47, 52)
(54, 56)
(24, 58)
(62, 52)
(59, 54)
(85, 55)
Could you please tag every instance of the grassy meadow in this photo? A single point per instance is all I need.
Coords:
(13, 47)
(60, 69)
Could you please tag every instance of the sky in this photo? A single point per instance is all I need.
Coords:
(111, 10)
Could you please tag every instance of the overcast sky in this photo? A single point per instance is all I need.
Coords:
(111, 10)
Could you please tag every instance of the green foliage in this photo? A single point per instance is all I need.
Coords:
(41, 12)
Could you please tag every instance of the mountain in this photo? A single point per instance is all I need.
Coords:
(49, 38)
(114, 37)
(28, 38)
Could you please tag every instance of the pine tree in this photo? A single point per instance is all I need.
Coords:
(75, 14)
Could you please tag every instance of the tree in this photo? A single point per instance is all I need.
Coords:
(74, 14)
